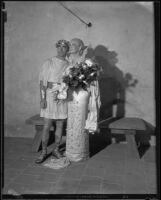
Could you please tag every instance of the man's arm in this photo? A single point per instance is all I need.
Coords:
(43, 102)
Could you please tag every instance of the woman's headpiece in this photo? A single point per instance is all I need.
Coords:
(81, 43)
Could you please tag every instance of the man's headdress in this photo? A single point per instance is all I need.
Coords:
(62, 43)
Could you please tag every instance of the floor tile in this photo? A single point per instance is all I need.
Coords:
(92, 171)
(88, 189)
(114, 178)
(63, 191)
(96, 180)
(21, 164)
(151, 190)
(135, 190)
(109, 171)
(34, 188)
(49, 177)
(101, 165)
(64, 186)
(116, 148)
(51, 171)
(26, 178)
(111, 188)
(26, 158)
(11, 173)
(34, 170)
(101, 157)
(79, 165)
(147, 152)
(10, 159)
(7, 181)
(90, 185)
(150, 167)
(72, 174)
(110, 166)
(135, 183)
(151, 180)
(135, 166)
(29, 153)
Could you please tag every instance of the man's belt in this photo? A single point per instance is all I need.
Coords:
(50, 85)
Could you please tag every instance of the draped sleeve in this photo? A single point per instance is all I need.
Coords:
(93, 107)
(44, 72)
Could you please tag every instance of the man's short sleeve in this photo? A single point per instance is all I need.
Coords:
(44, 73)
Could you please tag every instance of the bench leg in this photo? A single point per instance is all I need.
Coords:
(132, 146)
(37, 139)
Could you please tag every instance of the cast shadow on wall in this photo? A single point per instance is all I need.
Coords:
(113, 84)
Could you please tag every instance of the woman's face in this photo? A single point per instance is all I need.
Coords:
(74, 46)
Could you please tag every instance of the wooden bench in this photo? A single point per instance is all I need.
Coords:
(125, 126)
(38, 122)
(129, 127)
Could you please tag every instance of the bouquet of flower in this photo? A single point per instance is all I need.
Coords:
(82, 74)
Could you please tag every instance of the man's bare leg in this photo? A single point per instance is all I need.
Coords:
(45, 139)
(58, 137)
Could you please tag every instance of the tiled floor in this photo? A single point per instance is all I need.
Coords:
(109, 171)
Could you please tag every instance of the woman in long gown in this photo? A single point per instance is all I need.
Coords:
(83, 110)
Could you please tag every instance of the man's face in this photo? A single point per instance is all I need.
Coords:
(74, 46)
(62, 50)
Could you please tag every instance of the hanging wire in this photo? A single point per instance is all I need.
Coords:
(87, 24)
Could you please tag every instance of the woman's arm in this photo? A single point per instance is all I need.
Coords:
(93, 107)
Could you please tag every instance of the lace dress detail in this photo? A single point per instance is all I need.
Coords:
(77, 142)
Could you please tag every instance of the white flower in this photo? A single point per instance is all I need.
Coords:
(92, 74)
(89, 63)
(62, 95)
(84, 66)
(62, 87)
(85, 82)
(81, 76)
(67, 71)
